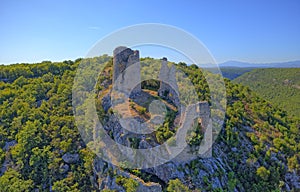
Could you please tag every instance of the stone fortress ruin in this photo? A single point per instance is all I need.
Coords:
(126, 124)
(126, 70)
(127, 77)
(127, 80)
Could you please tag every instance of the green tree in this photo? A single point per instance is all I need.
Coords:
(263, 173)
(12, 181)
(65, 185)
(2, 156)
(128, 183)
(294, 163)
(177, 186)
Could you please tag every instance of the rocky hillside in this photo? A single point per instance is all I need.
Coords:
(41, 148)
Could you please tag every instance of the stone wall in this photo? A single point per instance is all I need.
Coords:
(203, 112)
(168, 85)
(126, 73)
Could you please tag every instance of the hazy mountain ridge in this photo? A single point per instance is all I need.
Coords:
(233, 69)
(288, 64)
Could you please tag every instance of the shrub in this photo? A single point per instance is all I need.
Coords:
(263, 173)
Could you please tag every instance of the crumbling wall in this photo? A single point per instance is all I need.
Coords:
(168, 85)
(126, 73)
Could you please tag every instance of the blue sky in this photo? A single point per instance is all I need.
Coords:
(251, 31)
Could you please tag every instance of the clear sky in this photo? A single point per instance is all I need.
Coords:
(251, 31)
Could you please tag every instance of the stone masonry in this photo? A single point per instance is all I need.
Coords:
(126, 73)
(168, 85)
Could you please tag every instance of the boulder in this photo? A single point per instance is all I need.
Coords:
(106, 102)
(9, 144)
(70, 158)
(64, 168)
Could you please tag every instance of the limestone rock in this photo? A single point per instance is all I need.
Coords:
(144, 144)
(106, 83)
(64, 168)
(149, 187)
(126, 81)
(9, 144)
(106, 102)
(70, 158)
(105, 180)
(293, 180)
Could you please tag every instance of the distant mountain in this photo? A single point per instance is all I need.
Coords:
(289, 64)
(234, 69)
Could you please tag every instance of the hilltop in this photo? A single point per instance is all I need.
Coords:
(41, 148)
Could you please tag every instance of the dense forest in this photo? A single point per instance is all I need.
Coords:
(41, 148)
(279, 86)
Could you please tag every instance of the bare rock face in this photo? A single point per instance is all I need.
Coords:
(144, 144)
(126, 74)
(149, 187)
(9, 144)
(103, 176)
(106, 102)
(70, 158)
(64, 168)
(293, 179)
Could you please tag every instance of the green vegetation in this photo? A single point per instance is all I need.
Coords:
(141, 110)
(150, 84)
(129, 184)
(177, 186)
(36, 112)
(195, 135)
(12, 181)
(166, 131)
(275, 135)
(279, 86)
(263, 173)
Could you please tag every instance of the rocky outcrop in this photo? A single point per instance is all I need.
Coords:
(105, 176)
(191, 173)
(7, 161)
(70, 158)
(126, 79)
(106, 102)
(64, 168)
(293, 180)
(149, 187)
(9, 144)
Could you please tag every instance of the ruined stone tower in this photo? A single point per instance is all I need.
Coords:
(168, 85)
(127, 84)
(126, 73)
(203, 112)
